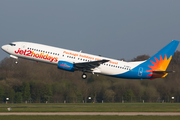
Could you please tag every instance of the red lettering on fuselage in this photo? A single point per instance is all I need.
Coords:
(17, 51)
(36, 55)
(28, 53)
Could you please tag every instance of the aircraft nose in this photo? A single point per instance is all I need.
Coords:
(4, 47)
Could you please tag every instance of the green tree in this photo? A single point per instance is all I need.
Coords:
(109, 95)
(26, 91)
(18, 97)
(128, 95)
(46, 93)
(1, 93)
(40, 92)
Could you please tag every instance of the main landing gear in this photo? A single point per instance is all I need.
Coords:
(16, 62)
(84, 76)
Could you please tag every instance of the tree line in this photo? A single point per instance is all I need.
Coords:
(29, 81)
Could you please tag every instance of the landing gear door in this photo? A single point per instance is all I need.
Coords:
(140, 72)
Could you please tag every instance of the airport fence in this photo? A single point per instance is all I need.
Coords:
(121, 99)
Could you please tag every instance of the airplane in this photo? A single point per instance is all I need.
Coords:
(154, 67)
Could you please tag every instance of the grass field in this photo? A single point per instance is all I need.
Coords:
(90, 107)
(89, 117)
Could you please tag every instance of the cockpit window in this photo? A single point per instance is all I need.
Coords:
(12, 44)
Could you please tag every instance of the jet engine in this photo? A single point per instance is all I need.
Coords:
(66, 66)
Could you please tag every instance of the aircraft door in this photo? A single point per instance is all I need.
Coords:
(23, 46)
(140, 72)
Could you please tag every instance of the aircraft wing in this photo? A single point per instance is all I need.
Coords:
(89, 65)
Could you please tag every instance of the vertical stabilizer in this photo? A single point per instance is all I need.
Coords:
(158, 63)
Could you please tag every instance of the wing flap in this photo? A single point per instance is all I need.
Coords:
(89, 65)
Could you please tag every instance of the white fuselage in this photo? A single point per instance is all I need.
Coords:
(52, 55)
(154, 67)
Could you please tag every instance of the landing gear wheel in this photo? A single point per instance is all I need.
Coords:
(84, 76)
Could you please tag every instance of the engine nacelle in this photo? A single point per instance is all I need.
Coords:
(66, 66)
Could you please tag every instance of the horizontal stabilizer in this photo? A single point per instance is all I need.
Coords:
(163, 72)
(160, 74)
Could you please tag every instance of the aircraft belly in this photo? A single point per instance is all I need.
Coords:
(112, 71)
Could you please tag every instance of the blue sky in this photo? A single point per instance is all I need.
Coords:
(111, 28)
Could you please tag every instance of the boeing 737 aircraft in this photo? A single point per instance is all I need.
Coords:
(154, 67)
